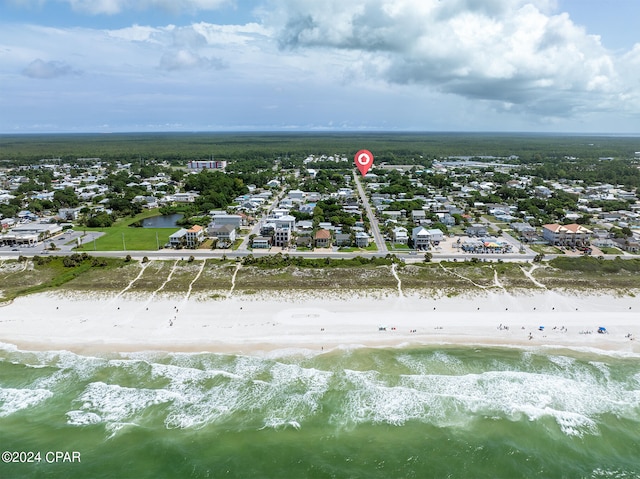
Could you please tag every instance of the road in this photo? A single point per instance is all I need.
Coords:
(255, 230)
(373, 220)
(172, 254)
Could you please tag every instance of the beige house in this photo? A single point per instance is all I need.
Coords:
(566, 235)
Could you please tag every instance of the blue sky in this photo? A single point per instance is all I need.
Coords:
(300, 65)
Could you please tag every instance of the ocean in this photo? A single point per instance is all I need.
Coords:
(427, 412)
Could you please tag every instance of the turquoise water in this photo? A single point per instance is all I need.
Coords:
(456, 412)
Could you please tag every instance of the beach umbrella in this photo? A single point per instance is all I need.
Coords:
(541, 328)
(602, 329)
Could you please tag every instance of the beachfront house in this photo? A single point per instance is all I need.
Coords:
(226, 234)
(282, 237)
(187, 238)
(322, 238)
(566, 235)
(421, 238)
(178, 239)
(362, 239)
(261, 242)
(194, 236)
(400, 235)
(342, 239)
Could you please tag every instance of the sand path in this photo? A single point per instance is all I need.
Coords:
(395, 275)
(529, 274)
(233, 280)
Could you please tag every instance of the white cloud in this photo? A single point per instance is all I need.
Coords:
(46, 70)
(186, 59)
(112, 7)
(416, 64)
(510, 51)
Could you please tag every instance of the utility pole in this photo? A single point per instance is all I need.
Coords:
(124, 246)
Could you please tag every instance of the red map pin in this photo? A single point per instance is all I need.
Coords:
(364, 161)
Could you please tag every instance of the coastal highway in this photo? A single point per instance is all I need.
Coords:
(171, 254)
(373, 221)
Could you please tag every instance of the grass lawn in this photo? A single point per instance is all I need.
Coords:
(610, 250)
(121, 236)
(354, 249)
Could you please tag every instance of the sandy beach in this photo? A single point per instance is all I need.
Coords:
(255, 325)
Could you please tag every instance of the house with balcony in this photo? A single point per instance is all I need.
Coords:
(322, 238)
(566, 235)
(194, 236)
(362, 239)
(224, 233)
(282, 237)
(400, 235)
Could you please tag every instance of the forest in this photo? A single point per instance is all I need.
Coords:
(253, 157)
(393, 148)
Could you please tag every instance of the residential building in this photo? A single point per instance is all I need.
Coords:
(400, 235)
(282, 237)
(435, 235)
(421, 238)
(418, 215)
(476, 230)
(224, 219)
(69, 214)
(342, 239)
(178, 239)
(362, 239)
(566, 235)
(224, 233)
(194, 236)
(322, 238)
(261, 242)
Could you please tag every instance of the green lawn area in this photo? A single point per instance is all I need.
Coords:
(352, 249)
(121, 236)
(610, 250)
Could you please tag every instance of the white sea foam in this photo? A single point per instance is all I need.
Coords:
(289, 394)
(82, 418)
(445, 399)
(113, 403)
(13, 400)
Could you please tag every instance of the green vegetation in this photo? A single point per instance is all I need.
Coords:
(389, 147)
(594, 265)
(280, 261)
(125, 235)
(283, 273)
(52, 272)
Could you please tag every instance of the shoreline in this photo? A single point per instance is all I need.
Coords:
(259, 326)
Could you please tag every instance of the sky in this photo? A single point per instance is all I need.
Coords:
(332, 65)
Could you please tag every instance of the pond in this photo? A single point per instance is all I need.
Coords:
(165, 221)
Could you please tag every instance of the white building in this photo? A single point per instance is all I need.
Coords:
(224, 219)
(207, 165)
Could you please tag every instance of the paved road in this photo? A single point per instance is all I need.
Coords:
(373, 221)
(172, 254)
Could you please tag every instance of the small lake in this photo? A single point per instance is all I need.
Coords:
(166, 221)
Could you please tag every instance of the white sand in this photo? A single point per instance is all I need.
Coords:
(250, 325)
